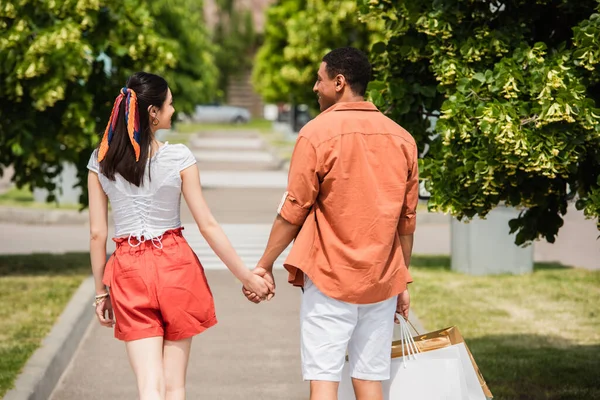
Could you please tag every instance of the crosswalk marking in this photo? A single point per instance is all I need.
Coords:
(249, 241)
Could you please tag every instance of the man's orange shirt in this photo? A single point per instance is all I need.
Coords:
(353, 186)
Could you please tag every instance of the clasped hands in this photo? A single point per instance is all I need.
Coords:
(259, 286)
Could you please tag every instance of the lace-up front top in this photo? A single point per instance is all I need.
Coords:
(146, 212)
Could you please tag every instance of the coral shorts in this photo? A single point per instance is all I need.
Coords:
(158, 291)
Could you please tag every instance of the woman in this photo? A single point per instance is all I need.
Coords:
(159, 295)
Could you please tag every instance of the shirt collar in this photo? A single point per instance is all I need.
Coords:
(352, 106)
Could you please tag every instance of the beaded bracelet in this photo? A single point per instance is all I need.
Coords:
(100, 298)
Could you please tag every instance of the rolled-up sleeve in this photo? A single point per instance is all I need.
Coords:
(303, 183)
(408, 217)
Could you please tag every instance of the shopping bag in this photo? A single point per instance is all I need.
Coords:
(477, 388)
(436, 376)
(433, 375)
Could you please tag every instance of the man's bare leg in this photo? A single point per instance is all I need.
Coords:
(367, 390)
(323, 390)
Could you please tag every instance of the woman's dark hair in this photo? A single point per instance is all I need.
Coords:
(151, 90)
(353, 64)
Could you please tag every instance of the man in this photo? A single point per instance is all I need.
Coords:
(351, 208)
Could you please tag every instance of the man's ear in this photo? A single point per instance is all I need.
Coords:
(340, 82)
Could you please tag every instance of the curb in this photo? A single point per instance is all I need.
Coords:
(33, 216)
(47, 364)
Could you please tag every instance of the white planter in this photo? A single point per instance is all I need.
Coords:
(485, 247)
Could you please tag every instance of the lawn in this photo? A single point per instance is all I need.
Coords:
(34, 290)
(24, 198)
(534, 337)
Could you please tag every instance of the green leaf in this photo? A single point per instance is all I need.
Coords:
(378, 48)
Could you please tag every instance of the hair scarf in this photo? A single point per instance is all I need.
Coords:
(132, 119)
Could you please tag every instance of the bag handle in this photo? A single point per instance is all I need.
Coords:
(409, 348)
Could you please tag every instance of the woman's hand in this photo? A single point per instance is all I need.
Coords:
(259, 286)
(268, 276)
(103, 310)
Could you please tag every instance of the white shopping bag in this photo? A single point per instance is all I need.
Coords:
(433, 375)
(474, 390)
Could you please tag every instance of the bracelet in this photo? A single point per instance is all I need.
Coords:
(99, 298)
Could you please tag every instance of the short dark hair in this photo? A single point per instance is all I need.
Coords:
(353, 64)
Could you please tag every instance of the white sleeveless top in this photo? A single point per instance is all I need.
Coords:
(146, 212)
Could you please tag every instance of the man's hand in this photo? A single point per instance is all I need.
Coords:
(267, 275)
(402, 306)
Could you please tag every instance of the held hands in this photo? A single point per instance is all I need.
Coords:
(402, 306)
(265, 277)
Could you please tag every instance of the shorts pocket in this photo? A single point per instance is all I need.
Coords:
(174, 255)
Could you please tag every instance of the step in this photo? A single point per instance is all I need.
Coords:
(244, 179)
(214, 143)
(234, 156)
(204, 166)
(239, 133)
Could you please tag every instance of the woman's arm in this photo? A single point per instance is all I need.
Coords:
(214, 235)
(98, 237)
(98, 229)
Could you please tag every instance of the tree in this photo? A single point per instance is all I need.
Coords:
(63, 63)
(194, 77)
(297, 36)
(515, 86)
(235, 41)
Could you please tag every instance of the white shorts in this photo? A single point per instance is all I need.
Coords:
(330, 327)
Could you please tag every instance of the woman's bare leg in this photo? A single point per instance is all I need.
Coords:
(146, 359)
(176, 355)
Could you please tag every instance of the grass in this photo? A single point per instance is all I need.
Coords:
(23, 197)
(34, 290)
(254, 124)
(534, 337)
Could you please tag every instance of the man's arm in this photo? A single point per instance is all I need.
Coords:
(407, 222)
(406, 244)
(303, 188)
(406, 227)
(282, 234)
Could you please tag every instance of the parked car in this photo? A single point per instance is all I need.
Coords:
(221, 113)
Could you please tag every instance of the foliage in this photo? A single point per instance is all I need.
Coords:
(194, 78)
(297, 36)
(235, 41)
(63, 63)
(515, 85)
